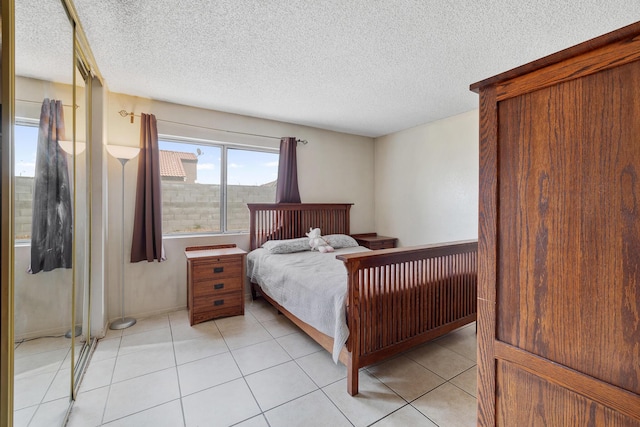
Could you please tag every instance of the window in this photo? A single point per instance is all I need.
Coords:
(206, 186)
(25, 147)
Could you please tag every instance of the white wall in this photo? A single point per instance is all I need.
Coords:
(332, 167)
(426, 182)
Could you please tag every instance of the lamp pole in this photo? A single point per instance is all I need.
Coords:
(123, 154)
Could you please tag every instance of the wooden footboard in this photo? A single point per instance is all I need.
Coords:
(402, 297)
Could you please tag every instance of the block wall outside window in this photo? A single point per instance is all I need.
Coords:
(194, 204)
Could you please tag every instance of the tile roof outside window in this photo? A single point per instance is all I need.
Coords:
(179, 166)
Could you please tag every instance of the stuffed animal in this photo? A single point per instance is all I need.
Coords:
(316, 241)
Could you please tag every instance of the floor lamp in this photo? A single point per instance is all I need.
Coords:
(123, 154)
(69, 148)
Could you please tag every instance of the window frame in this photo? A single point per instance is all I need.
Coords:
(224, 147)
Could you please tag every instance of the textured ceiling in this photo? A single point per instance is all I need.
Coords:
(368, 67)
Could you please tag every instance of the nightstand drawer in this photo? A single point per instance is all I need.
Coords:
(216, 269)
(373, 241)
(229, 310)
(218, 305)
(217, 286)
(381, 244)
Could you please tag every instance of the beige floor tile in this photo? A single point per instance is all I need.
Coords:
(260, 356)
(88, 408)
(112, 334)
(155, 358)
(203, 330)
(257, 421)
(206, 373)
(448, 406)
(146, 324)
(223, 405)
(140, 393)
(406, 377)
(299, 344)
(98, 374)
(311, 410)
(179, 318)
(244, 335)
(280, 326)
(467, 381)
(373, 402)
(60, 386)
(106, 349)
(280, 384)
(190, 350)
(320, 367)
(29, 391)
(463, 341)
(144, 341)
(261, 310)
(165, 415)
(236, 322)
(39, 363)
(404, 417)
(51, 413)
(41, 345)
(22, 417)
(440, 360)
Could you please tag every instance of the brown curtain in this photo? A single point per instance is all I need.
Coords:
(287, 187)
(51, 221)
(147, 223)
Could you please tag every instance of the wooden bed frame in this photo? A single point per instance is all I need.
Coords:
(397, 298)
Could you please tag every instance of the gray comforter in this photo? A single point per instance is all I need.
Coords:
(311, 285)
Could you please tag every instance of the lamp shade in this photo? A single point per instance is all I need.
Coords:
(67, 146)
(123, 152)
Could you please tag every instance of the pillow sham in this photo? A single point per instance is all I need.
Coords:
(287, 246)
(338, 241)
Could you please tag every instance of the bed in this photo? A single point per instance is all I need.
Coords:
(392, 299)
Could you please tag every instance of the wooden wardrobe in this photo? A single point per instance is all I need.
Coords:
(559, 238)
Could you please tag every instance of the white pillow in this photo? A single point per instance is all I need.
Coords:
(287, 246)
(338, 241)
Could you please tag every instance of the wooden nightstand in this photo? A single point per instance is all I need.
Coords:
(373, 241)
(215, 282)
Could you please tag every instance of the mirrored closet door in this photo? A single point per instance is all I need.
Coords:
(51, 211)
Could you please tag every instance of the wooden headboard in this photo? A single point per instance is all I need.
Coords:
(271, 221)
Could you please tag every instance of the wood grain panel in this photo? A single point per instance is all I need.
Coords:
(598, 391)
(541, 403)
(570, 210)
(610, 56)
(487, 235)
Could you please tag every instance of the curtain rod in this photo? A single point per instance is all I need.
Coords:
(125, 113)
(40, 102)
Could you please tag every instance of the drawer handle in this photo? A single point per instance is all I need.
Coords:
(218, 286)
(218, 269)
(218, 302)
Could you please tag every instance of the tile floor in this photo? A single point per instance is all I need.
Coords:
(261, 370)
(42, 378)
